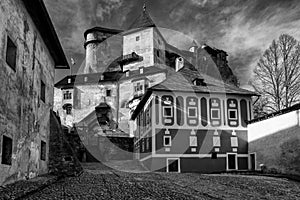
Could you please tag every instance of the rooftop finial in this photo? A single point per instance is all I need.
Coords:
(144, 6)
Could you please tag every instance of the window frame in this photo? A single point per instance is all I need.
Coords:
(219, 113)
(43, 155)
(13, 65)
(9, 162)
(108, 91)
(232, 110)
(196, 112)
(43, 91)
(193, 138)
(164, 113)
(170, 141)
(216, 141)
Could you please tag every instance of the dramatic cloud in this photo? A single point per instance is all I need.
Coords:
(243, 28)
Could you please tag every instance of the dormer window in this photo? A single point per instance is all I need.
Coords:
(69, 80)
(199, 82)
(102, 77)
(127, 73)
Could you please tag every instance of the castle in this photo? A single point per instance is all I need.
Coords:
(183, 107)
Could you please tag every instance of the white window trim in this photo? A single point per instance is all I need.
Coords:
(196, 112)
(218, 142)
(191, 139)
(170, 138)
(164, 115)
(233, 140)
(227, 161)
(173, 159)
(234, 110)
(215, 109)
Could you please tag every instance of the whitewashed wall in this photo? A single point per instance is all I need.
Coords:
(269, 126)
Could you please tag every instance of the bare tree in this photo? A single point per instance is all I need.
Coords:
(277, 75)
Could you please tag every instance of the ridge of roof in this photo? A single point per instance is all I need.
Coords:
(142, 21)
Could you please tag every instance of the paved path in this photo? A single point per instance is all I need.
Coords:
(100, 182)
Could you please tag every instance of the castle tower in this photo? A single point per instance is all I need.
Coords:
(95, 37)
(144, 39)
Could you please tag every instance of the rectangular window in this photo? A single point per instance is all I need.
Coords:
(43, 91)
(67, 95)
(215, 113)
(6, 150)
(232, 114)
(192, 112)
(216, 142)
(43, 150)
(234, 142)
(69, 110)
(137, 38)
(11, 53)
(108, 93)
(193, 141)
(167, 111)
(167, 141)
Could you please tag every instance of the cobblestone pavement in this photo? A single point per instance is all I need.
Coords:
(111, 184)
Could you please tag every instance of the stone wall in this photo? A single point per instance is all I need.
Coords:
(94, 148)
(62, 157)
(279, 151)
(24, 117)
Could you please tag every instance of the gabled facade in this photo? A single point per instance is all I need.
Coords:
(30, 53)
(188, 126)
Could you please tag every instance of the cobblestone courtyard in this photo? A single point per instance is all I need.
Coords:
(111, 184)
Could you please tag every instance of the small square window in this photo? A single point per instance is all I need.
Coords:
(215, 114)
(43, 91)
(108, 93)
(11, 53)
(137, 38)
(6, 150)
(232, 114)
(167, 111)
(192, 112)
(43, 150)
(167, 141)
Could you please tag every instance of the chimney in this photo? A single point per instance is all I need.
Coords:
(179, 63)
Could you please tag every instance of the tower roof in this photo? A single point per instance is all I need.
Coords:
(144, 20)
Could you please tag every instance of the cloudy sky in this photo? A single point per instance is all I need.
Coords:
(243, 28)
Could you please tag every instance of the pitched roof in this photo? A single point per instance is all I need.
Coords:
(42, 20)
(91, 78)
(182, 81)
(144, 20)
